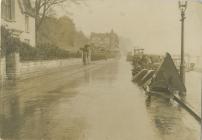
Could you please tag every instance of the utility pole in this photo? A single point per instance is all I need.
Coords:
(182, 7)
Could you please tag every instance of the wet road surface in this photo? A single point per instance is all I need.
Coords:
(194, 90)
(98, 103)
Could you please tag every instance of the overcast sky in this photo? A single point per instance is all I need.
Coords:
(151, 24)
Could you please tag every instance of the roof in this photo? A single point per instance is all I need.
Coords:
(26, 7)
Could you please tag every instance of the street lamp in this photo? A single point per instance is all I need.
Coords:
(182, 7)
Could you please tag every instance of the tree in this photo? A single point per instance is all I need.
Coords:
(66, 36)
(44, 7)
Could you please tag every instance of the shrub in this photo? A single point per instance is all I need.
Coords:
(40, 52)
(8, 43)
(44, 52)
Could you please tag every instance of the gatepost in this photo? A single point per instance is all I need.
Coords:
(12, 65)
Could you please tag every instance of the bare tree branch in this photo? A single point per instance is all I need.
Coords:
(44, 7)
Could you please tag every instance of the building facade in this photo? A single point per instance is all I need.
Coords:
(106, 41)
(18, 17)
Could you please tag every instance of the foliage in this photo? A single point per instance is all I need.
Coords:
(45, 7)
(8, 43)
(40, 52)
(61, 32)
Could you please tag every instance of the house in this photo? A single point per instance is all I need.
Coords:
(18, 17)
(106, 41)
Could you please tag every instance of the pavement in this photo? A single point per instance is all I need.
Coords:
(70, 67)
(94, 102)
(194, 91)
(31, 69)
(192, 101)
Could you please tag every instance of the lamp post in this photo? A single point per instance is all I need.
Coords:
(182, 7)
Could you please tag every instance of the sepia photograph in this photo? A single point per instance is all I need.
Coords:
(101, 70)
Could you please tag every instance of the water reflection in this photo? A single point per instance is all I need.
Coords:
(94, 104)
(33, 118)
(87, 76)
(10, 115)
(107, 73)
(167, 116)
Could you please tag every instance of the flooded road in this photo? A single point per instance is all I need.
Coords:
(194, 90)
(93, 104)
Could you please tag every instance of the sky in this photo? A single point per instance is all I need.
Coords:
(150, 24)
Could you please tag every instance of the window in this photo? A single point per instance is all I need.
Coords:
(26, 23)
(3, 9)
(9, 12)
(27, 41)
(8, 9)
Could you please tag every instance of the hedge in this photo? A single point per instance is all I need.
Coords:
(40, 52)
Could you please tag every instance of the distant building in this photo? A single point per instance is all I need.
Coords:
(106, 41)
(18, 17)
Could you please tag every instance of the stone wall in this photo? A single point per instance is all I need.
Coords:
(34, 68)
(12, 68)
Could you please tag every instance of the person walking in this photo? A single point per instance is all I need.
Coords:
(86, 54)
